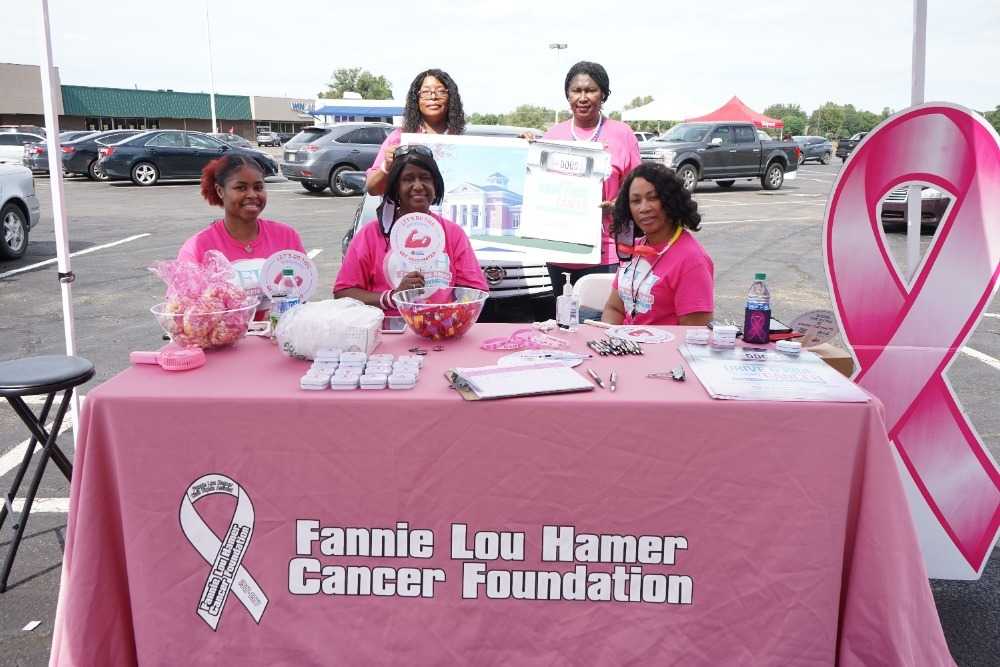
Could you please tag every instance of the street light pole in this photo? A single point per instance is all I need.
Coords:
(914, 204)
(211, 70)
(559, 47)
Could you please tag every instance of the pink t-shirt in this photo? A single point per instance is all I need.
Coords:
(272, 237)
(682, 282)
(620, 142)
(364, 264)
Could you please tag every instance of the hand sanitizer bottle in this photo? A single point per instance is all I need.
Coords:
(568, 308)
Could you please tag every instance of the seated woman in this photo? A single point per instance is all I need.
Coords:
(414, 184)
(666, 277)
(433, 106)
(236, 183)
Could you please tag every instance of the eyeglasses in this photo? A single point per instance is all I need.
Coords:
(439, 93)
(417, 149)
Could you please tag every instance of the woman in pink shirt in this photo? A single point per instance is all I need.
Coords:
(668, 277)
(413, 185)
(434, 106)
(587, 88)
(236, 183)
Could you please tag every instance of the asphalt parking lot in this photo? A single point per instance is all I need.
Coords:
(117, 230)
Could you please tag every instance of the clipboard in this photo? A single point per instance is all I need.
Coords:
(496, 382)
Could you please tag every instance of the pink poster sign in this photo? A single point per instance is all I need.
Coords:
(904, 334)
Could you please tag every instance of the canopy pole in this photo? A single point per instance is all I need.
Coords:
(914, 204)
(59, 220)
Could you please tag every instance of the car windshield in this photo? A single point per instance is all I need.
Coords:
(685, 132)
(308, 135)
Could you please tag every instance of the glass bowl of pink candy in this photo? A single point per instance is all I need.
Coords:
(442, 313)
(196, 324)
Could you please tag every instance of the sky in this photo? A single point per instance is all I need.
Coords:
(807, 53)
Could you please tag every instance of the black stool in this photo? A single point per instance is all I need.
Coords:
(31, 377)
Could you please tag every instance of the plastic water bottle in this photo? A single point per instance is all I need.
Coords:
(757, 323)
(284, 297)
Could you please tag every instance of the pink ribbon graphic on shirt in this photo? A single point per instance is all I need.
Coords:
(905, 336)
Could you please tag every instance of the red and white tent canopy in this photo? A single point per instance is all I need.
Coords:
(734, 109)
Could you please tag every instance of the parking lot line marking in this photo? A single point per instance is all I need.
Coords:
(12, 459)
(991, 315)
(47, 505)
(32, 267)
(985, 358)
(312, 253)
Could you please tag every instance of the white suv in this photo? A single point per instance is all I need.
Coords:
(19, 210)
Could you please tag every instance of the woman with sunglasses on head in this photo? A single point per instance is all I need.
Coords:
(413, 185)
(666, 277)
(433, 106)
(587, 88)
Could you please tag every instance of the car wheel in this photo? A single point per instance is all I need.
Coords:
(337, 185)
(802, 158)
(95, 173)
(313, 187)
(773, 177)
(13, 232)
(145, 173)
(725, 184)
(825, 158)
(843, 159)
(689, 176)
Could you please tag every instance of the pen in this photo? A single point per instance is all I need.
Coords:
(613, 382)
(597, 378)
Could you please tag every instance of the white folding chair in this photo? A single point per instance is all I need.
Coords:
(593, 289)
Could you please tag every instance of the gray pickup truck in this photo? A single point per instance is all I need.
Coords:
(724, 152)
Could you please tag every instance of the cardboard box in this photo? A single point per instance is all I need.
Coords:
(839, 360)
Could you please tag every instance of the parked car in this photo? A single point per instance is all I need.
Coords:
(520, 288)
(19, 210)
(846, 146)
(814, 148)
(268, 139)
(644, 136)
(79, 156)
(933, 204)
(723, 152)
(285, 137)
(232, 140)
(316, 156)
(157, 154)
(12, 145)
(30, 129)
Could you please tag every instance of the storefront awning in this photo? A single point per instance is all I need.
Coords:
(358, 111)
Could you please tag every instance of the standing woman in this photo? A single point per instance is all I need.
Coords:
(587, 89)
(433, 106)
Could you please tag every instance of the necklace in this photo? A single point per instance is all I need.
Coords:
(592, 137)
(634, 265)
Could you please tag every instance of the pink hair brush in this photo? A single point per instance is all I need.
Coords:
(171, 357)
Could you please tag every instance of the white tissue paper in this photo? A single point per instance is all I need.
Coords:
(345, 324)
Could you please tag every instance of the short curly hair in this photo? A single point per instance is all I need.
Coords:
(456, 113)
(595, 71)
(219, 170)
(677, 202)
(392, 180)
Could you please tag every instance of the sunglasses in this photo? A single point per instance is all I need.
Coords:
(416, 149)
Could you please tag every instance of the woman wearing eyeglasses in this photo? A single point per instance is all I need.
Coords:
(587, 88)
(433, 106)
(413, 185)
(666, 277)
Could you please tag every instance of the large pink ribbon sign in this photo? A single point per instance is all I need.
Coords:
(905, 334)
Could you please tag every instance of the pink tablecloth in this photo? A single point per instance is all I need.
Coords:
(799, 546)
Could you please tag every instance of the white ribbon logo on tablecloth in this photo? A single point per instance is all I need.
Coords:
(225, 556)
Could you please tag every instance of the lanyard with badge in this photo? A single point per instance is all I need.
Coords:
(645, 251)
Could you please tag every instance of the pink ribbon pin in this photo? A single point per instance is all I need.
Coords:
(905, 336)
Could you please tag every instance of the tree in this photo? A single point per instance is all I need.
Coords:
(993, 117)
(639, 102)
(528, 115)
(791, 115)
(356, 80)
(485, 119)
(828, 120)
